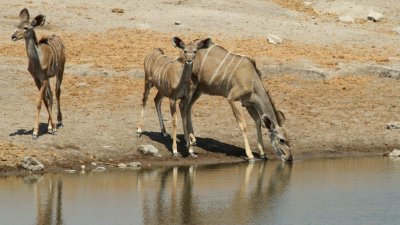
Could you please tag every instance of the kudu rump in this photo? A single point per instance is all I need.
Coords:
(165, 74)
(46, 59)
(216, 71)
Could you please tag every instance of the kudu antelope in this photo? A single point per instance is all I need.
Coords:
(163, 73)
(46, 59)
(216, 71)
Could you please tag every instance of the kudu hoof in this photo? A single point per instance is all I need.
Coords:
(165, 136)
(252, 160)
(138, 134)
(176, 155)
(60, 124)
(192, 155)
(34, 136)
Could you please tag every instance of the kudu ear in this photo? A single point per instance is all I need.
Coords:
(204, 43)
(24, 15)
(178, 43)
(281, 117)
(38, 21)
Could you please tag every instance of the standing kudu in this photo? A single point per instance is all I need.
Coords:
(216, 71)
(46, 59)
(165, 74)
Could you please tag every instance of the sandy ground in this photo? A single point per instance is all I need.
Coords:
(103, 82)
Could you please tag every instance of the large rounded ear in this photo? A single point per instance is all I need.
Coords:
(281, 117)
(38, 21)
(24, 15)
(178, 43)
(204, 43)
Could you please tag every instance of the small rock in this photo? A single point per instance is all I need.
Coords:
(148, 150)
(82, 84)
(177, 22)
(93, 163)
(70, 171)
(32, 164)
(307, 4)
(393, 125)
(393, 153)
(134, 164)
(346, 19)
(273, 39)
(83, 167)
(117, 10)
(375, 16)
(100, 169)
(122, 165)
(397, 30)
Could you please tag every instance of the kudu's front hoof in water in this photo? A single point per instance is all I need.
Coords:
(253, 160)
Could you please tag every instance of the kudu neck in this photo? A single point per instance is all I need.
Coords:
(32, 45)
(186, 75)
(263, 102)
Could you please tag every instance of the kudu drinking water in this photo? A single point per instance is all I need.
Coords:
(216, 71)
(163, 73)
(46, 59)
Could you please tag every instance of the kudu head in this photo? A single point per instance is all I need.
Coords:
(24, 28)
(191, 48)
(278, 136)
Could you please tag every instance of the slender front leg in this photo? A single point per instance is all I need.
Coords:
(58, 94)
(236, 108)
(172, 105)
(194, 98)
(38, 107)
(147, 87)
(260, 145)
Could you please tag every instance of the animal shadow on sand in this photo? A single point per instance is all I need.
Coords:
(207, 144)
(42, 131)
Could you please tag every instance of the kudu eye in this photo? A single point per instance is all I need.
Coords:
(282, 141)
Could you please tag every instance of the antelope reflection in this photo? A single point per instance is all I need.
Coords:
(189, 195)
(47, 191)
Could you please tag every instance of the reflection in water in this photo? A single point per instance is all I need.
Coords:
(253, 194)
(48, 197)
(340, 191)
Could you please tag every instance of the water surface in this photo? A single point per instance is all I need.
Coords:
(319, 191)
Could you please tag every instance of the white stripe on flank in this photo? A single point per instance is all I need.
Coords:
(159, 73)
(155, 64)
(151, 61)
(219, 67)
(233, 71)
(204, 59)
(163, 76)
(226, 70)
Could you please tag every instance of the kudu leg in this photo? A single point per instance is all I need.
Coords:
(147, 88)
(236, 108)
(157, 101)
(188, 115)
(58, 94)
(38, 107)
(260, 145)
(172, 105)
(48, 102)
